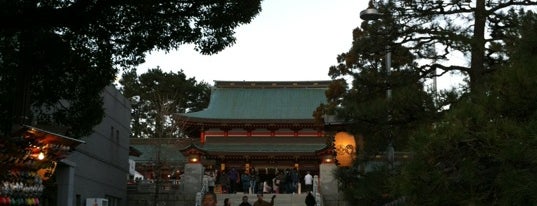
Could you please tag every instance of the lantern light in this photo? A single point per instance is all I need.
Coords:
(41, 156)
(345, 146)
(193, 158)
(328, 159)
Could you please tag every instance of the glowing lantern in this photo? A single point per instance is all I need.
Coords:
(41, 156)
(328, 159)
(345, 147)
(193, 158)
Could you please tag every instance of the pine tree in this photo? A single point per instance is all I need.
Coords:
(156, 96)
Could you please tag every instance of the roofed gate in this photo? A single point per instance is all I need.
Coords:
(267, 125)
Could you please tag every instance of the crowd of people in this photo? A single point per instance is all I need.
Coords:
(252, 181)
(210, 199)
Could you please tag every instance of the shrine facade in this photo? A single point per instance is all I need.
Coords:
(267, 125)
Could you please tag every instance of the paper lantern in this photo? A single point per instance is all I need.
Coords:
(345, 146)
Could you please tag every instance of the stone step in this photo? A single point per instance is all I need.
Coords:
(280, 200)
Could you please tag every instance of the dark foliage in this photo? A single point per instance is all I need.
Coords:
(157, 96)
(424, 38)
(57, 56)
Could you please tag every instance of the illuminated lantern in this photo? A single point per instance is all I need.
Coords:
(328, 159)
(193, 158)
(345, 147)
(41, 156)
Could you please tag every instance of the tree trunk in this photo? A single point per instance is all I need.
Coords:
(478, 46)
(21, 102)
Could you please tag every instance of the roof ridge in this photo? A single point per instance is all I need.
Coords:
(272, 84)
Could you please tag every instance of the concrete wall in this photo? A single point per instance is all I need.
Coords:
(147, 197)
(329, 187)
(101, 164)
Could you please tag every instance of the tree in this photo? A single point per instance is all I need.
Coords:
(424, 38)
(57, 56)
(483, 151)
(155, 96)
(371, 114)
(437, 30)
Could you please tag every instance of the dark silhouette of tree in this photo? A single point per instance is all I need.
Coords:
(57, 56)
(483, 151)
(156, 96)
(427, 39)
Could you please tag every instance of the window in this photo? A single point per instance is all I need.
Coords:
(112, 201)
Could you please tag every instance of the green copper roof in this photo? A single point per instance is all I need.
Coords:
(168, 153)
(251, 103)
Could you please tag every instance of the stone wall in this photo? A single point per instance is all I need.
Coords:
(143, 194)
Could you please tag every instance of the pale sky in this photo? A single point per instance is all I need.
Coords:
(288, 40)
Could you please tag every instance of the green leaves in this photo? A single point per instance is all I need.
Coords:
(483, 152)
(464, 144)
(59, 55)
(156, 96)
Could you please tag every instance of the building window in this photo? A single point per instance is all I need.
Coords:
(112, 201)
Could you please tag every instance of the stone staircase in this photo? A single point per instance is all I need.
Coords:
(280, 200)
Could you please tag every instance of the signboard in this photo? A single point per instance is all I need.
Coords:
(132, 167)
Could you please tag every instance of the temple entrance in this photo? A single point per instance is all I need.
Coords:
(278, 176)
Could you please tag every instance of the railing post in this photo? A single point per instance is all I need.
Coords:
(198, 199)
(204, 189)
(318, 199)
(205, 184)
(315, 184)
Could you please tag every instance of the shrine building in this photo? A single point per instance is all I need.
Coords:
(266, 125)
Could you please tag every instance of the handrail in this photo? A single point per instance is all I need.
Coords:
(318, 199)
(204, 189)
(315, 184)
(198, 198)
(316, 190)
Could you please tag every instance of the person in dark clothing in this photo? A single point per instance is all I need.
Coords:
(234, 179)
(254, 181)
(245, 201)
(261, 202)
(227, 202)
(224, 181)
(245, 180)
(294, 178)
(310, 199)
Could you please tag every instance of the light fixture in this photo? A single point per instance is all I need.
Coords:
(193, 158)
(41, 156)
(345, 148)
(370, 13)
(373, 14)
(328, 159)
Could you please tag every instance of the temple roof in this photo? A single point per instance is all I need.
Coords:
(168, 153)
(262, 101)
(156, 149)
